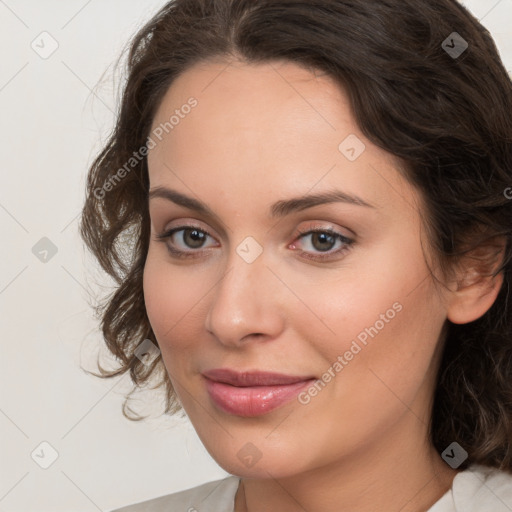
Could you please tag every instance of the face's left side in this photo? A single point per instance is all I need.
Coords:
(255, 291)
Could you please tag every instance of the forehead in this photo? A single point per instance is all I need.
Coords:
(260, 101)
(266, 127)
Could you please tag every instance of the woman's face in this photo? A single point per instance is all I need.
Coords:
(353, 314)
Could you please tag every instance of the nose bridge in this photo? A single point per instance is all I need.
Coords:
(243, 301)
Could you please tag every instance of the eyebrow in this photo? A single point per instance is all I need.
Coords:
(278, 209)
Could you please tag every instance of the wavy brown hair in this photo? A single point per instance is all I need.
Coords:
(447, 117)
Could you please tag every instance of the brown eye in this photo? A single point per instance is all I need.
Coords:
(184, 241)
(193, 238)
(322, 241)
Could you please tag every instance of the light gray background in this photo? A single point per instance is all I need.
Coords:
(55, 114)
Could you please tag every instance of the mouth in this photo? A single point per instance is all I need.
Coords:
(255, 393)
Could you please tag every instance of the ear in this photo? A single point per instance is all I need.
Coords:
(474, 288)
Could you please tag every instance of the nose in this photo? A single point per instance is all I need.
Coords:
(245, 304)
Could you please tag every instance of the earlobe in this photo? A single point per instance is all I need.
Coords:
(476, 289)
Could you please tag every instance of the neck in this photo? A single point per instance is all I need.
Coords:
(398, 472)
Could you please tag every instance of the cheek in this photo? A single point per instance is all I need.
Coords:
(367, 298)
(401, 353)
(173, 301)
(407, 318)
(383, 317)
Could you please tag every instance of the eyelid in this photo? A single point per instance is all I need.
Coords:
(168, 232)
(162, 217)
(316, 226)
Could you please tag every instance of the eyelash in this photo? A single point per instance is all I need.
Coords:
(347, 243)
(176, 253)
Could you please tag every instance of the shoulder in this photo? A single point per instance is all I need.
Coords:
(206, 497)
(478, 489)
(481, 488)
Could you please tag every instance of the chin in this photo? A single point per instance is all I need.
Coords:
(253, 460)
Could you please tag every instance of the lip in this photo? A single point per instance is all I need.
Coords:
(253, 393)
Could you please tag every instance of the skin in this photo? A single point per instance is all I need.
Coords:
(260, 134)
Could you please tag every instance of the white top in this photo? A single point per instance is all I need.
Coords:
(477, 489)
